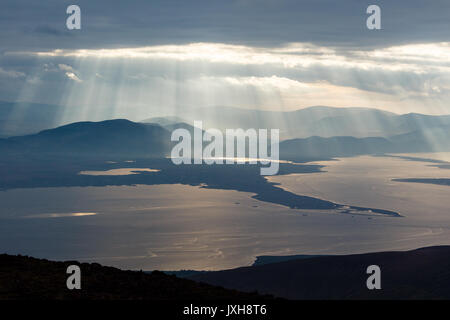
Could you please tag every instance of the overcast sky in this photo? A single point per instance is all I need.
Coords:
(143, 58)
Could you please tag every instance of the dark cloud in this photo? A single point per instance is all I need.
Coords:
(40, 25)
(48, 30)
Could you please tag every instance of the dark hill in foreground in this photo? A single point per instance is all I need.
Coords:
(417, 274)
(29, 278)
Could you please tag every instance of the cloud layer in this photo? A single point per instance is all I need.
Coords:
(153, 57)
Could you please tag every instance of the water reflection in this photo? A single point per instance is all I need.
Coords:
(170, 227)
(118, 172)
(61, 215)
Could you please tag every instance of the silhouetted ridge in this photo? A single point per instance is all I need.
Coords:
(29, 278)
(416, 274)
(106, 137)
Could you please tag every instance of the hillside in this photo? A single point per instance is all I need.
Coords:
(418, 274)
(122, 137)
(29, 278)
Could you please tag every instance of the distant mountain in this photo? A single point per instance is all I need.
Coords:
(179, 125)
(429, 140)
(417, 274)
(391, 133)
(127, 138)
(317, 121)
(318, 147)
(21, 118)
(164, 121)
(173, 124)
(425, 140)
(111, 137)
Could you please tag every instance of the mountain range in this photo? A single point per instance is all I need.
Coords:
(316, 121)
(22, 118)
(151, 138)
(126, 138)
(429, 140)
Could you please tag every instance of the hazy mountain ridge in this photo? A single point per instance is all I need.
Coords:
(21, 118)
(318, 147)
(164, 121)
(120, 136)
(318, 121)
(431, 140)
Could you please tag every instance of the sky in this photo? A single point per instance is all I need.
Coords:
(138, 59)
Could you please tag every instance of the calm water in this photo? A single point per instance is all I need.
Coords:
(172, 227)
(117, 172)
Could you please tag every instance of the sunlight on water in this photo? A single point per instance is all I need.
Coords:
(118, 172)
(61, 215)
(368, 181)
(172, 227)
